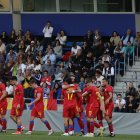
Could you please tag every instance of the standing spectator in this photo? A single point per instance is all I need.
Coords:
(115, 38)
(98, 75)
(89, 38)
(119, 104)
(12, 38)
(128, 37)
(48, 31)
(62, 38)
(4, 37)
(108, 72)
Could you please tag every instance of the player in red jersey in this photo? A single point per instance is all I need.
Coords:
(109, 105)
(70, 108)
(3, 106)
(96, 103)
(17, 104)
(38, 109)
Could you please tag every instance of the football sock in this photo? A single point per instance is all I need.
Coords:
(66, 129)
(91, 127)
(96, 124)
(88, 126)
(19, 128)
(4, 123)
(31, 125)
(47, 124)
(110, 127)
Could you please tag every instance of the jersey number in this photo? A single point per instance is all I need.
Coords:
(70, 95)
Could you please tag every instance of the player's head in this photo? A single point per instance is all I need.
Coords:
(33, 83)
(104, 82)
(13, 80)
(88, 81)
(72, 77)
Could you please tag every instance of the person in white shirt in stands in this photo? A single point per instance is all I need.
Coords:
(50, 56)
(75, 48)
(9, 88)
(62, 38)
(98, 75)
(48, 31)
(120, 104)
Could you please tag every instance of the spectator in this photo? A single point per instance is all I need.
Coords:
(27, 37)
(29, 64)
(86, 49)
(75, 48)
(128, 37)
(58, 50)
(99, 65)
(20, 76)
(119, 104)
(9, 88)
(49, 67)
(4, 37)
(115, 38)
(31, 48)
(20, 36)
(12, 38)
(108, 72)
(137, 44)
(46, 90)
(39, 57)
(50, 56)
(21, 46)
(48, 31)
(37, 76)
(138, 99)
(89, 38)
(98, 75)
(10, 55)
(131, 105)
(62, 38)
(37, 66)
(2, 47)
(82, 83)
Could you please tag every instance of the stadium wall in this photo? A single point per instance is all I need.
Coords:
(124, 123)
(78, 24)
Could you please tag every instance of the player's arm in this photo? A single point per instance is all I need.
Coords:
(67, 86)
(86, 93)
(36, 100)
(102, 104)
(110, 97)
(3, 95)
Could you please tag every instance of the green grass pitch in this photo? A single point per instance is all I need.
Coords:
(57, 136)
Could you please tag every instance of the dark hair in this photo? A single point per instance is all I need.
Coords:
(88, 79)
(33, 81)
(105, 79)
(14, 78)
(115, 32)
(119, 95)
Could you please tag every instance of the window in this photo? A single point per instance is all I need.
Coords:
(76, 6)
(39, 5)
(114, 5)
(4, 5)
(137, 6)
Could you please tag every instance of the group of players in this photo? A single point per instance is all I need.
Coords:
(99, 103)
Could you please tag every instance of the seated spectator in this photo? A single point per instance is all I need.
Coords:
(99, 65)
(21, 65)
(138, 99)
(39, 57)
(20, 76)
(108, 72)
(30, 64)
(12, 38)
(89, 38)
(60, 68)
(49, 67)
(21, 46)
(119, 104)
(86, 49)
(106, 56)
(20, 36)
(128, 37)
(31, 48)
(4, 37)
(131, 105)
(50, 56)
(10, 55)
(70, 67)
(46, 90)
(38, 47)
(115, 38)
(136, 39)
(9, 88)
(2, 58)
(58, 50)
(62, 38)
(2, 47)
(37, 76)
(27, 37)
(37, 66)
(75, 48)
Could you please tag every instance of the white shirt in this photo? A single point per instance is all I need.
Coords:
(9, 89)
(100, 78)
(126, 39)
(122, 102)
(22, 67)
(62, 39)
(106, 73)
(73, 50)
(48, 31)
(51, 57)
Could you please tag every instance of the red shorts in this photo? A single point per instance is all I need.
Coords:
(3, 109)
(92, 113)
(100, 115)
(37, 112)
(109, 110)
(70, 111)
(16, 112)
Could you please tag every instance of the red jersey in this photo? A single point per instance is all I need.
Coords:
(39, 103)
(46, 80)
(93, 96)
(2, 88)
(69, 98)
(18, 95)
(107, 90)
